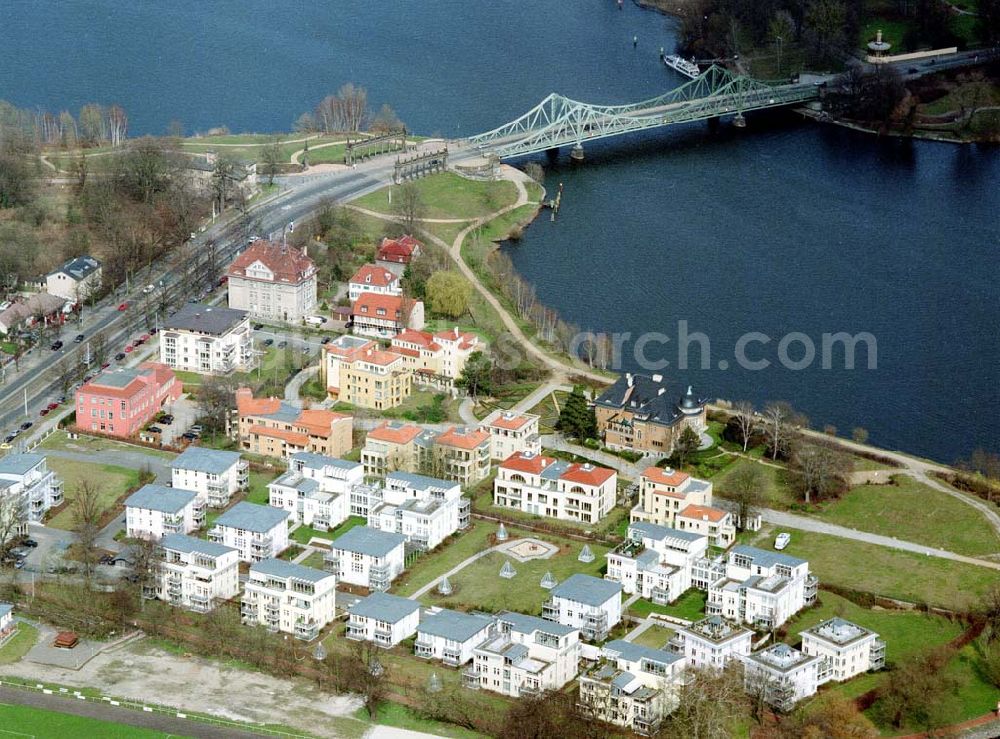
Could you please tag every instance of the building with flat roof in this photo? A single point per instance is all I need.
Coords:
(845, 649)
(257, 531)
(712, 642)
(216, 475)
(208, 340)
(512, 433)
(551, 487)
(425, 510)
(656, 562)
(367, 557)
(288, 597)
(28, 489)
(383, 619)
(761, 587)
(154, 511)
(316, 489)
(273, 428)
(587, 603)
(119, 402)
(640, 413)
(193, 573)
(451, 636)
(273, 281)
(782, 676)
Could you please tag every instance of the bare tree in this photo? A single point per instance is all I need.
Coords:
(745, 421)
(745, 487)
(818, 472)
(366, 675)
(408, 205)
(777, 423)
(711, 704)
(86, 507)
(859, 435)
(272, 159)
(216, 398)
(13, 515)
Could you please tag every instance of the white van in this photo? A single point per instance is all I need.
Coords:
(315, 320)
(782, 540)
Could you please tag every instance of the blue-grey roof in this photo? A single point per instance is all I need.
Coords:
(419, 482)
(648, 558)
(78, 267)
(252, 517)
(525, 624)
(555, 470)
(294, 480)
(764, 558)
(205, 319)
(5, 608)
(622, 680)
(366, 540)
(648, 397)
(384, 607)
(200, 459)
(317, 461)
(118, 377)
(160, 498)
(454, 625)
(286, 413)
(282, 569)
(19, 464)
(194, 545)
(655, 531)
(591, 591)
(637, 652)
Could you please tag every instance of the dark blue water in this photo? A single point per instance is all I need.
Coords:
(782, 227)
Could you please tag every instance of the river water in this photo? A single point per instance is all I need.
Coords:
(782, 227)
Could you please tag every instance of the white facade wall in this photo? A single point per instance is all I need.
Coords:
(423, 509)
(145, 523)
(198, 581)
(579, 615)
(251, 545)
(213, 489)
(205, 354)
(383, 633)
(781, 686)
(552, 662)
(505, 441)
(561, 499)
(845, 660)
(356, 568)
(30, 481)
(702, 651)
(289, 604)
(675, 556)
(761, 588)
(272, 301)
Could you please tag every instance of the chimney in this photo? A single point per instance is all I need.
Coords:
(657, 378)
(628, 379)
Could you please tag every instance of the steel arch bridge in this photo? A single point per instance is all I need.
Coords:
(560, 121)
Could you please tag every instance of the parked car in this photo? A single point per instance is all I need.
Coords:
(258, 326)
(782, 540)
(325, 340)
(30, 543)
(139, 342)
(283, 344)
(155, 430)
(123, 306)
(128, 349)
(190, 436)
(106, 559)
(26, 425)
(54, 404)
(120, 356)
(105, 365)
(57, 345)
(166, 418)
(9, 439)
(78, 339)
(148, 289)
(44, 412)
(268, 342)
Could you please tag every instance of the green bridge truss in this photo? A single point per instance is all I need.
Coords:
(560, 121)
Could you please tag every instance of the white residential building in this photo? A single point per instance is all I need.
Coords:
(761, 587)
(527, 656)
(214, 474)
(316, 489)
(655, 561)
(451, 636)
(712, 642)
(27, 479)
(512, 433)
(195, 573)
(288, 597)
(8, 627)
(590, 604)
(782, 676)
(208, 340)
(665, 492)
(257, 531)
(153, 511)
(384, 619)
(425, 510)
(367, 557)
(633, 686)
(273, 281)
(76, 280)
(551, 487)
(373, 279)
(715, 523)
(845, 648)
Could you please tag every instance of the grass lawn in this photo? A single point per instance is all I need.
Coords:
(426, 406)
(655, 637)
(402, 717)
(111, 481)
(26, 721)
(434, 564)
(447, 195)
(915, 512)
(257, 491)
(889, 572)
(691, 605)
(19, 644)
(84, 444)
(777, 494)
(314, 560)
(548, 411)
(304, 533)
(480, 586)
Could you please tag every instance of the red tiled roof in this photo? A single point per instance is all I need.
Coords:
(395, 433)
(530, 463)
(420, 338)
(661, 477)
(400, 250)
(248, 405)
(463, 438)
(292, 437)
(287, 263)
(349, 353)
(318, 422)
(512, 422)
(700, 512)
(379, 357)
(369, 305)
(370, 274)
(465, 339)
(587, 474)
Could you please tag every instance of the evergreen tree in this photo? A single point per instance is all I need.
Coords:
(686, 445)
(577, 418)
(477, 375)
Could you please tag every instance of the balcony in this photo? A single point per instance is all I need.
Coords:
(215, 534)
(248, 610)
(646, 725)
(306, 630)
(676, 644)
(261, 545)
(550, 610)
(382, 637)
(781, 695)
(379, 577)
(173, 525)
(423, 649)
(660, 596)
(243, 474)
(529, 689)
(876, 657)
(811, 587)
(331, 561)
(824, 671)
(356, 632)
(201, 603)
(595, 626)
(470, 678)
(713, 609)
(451, 657)
(464, 512)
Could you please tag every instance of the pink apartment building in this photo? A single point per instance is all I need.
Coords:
(120, 402)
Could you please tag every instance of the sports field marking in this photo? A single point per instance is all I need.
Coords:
(7, 732)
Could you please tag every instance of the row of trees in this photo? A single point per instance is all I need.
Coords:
(345, 111)
(95, 125)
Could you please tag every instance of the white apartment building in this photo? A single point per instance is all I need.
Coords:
(384, 619)
(590, 604)
(655, 561)
(715, 523)
(367, 557)
(154, 511)
(451, 636)
(208, 340)
(27, 479)
(782, 676)
(845, 648)
(316, 489)
(257, 531)
(436, 359)
(512, 433)
(214, 474)
(425, 510)
(373, 279)
(273, 281)
(528, 655)
(195, 573)
(76, 280)
(288, 597)
(633, 686)
(712, 642)
(550, 487)
(761, 587)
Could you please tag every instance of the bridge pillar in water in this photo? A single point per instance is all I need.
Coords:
(577, 153)
(739, 121)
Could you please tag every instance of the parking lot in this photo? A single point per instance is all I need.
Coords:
(185, 411)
